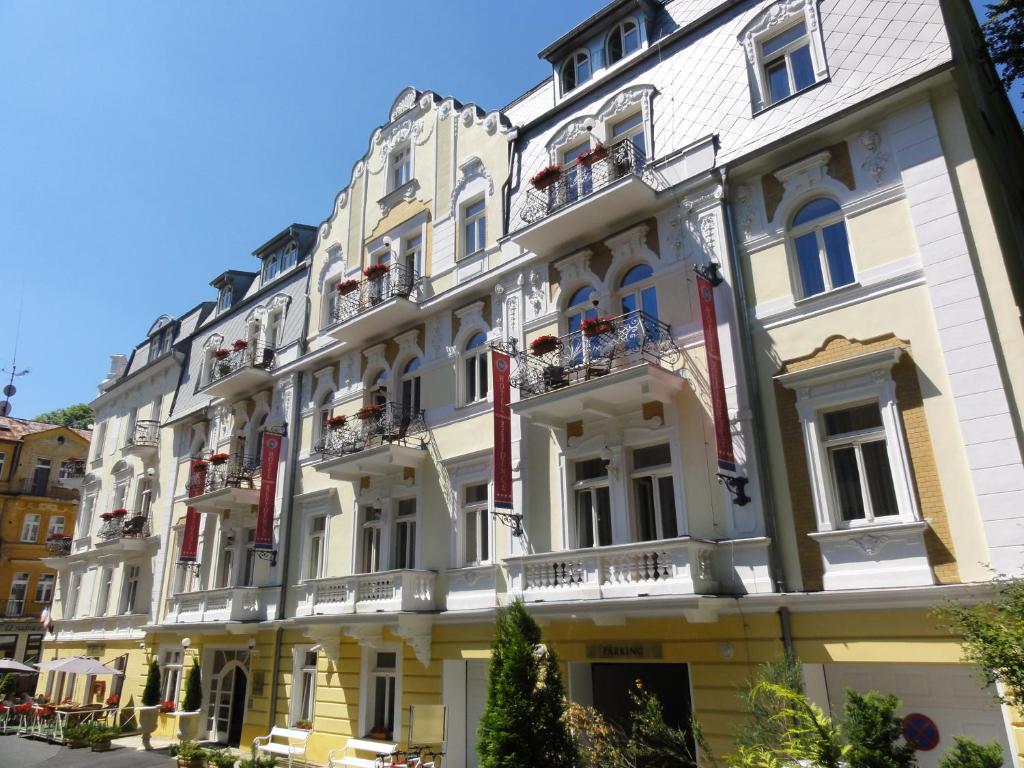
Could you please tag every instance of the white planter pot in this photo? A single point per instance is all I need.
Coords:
(148, 717)
(189, 724)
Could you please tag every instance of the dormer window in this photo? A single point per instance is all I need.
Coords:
(290, 257)
(624, 40)
(576, 71)
(271, 267)
(224, 300)
(401, 167)
(787, 62)
(168, 339)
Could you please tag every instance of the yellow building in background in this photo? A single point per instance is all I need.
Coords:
(41, 469)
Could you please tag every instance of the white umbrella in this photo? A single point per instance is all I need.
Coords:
(78, 665)
(10, 665)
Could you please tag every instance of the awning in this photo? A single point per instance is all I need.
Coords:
(78, 665)
(10, 665)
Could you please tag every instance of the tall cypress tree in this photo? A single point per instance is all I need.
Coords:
(522, 723)
(151, 693)
(193, 690)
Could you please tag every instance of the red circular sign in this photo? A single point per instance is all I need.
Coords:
(920, 731)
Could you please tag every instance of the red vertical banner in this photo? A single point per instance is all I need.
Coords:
(269, 459)
(716, 383)
(500, 369)
(196, 487)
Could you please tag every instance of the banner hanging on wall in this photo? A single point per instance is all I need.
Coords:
(269, 459)
(196, 486)
(500, 368)
(716, 382)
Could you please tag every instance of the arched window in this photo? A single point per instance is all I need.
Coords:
(411, 385)
(257, 450)
(821, 247)
(639, 301)
(377, 393)
(580, 307)
(474, 362)
(290, 257)
(271, 267)
(575, 71)
(623, 40)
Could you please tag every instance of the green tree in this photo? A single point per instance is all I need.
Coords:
(193, 689)
(522, 723)
(1004, 33)
(78, 416)
(967, 753)
(653, 743)
(7, 685)
(875, 733)
(151, 693)
(763, 727)
(993, 636)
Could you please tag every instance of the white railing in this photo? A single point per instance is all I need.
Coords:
(213, 605)
(681, 566)
(383, 592)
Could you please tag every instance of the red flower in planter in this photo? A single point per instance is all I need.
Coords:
(106, 516)
(221, 354)
(595, 326)
(303, 725)
(119, 513)
(346, 286)
(23, 709)
(591, 156)
(546, 177)
(219, 458)
(543, 344)
(238, 344)
(336, 422)
(166, 706)
(113, 700)
(368, 412)
(375, 271)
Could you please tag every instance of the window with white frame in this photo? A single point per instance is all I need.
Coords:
(785, 51)
(226, 559)
(576, 70)
(857, 456)
(170, 670)
(106, 583)
(411, 386)
(145, 498)
(475, 363)
(404, 536)
(786, 58)
(654, 496)
(3, 462)
(129, 589)
(411, 261)
(323, 413)
(382, 694)
(30, 528)
(271, 267)
(44, 588)
(224, 298)
(400, 166)
(370, 539)
(70, 600)
(633, 130)
(18, 594)
(248, 536)
(578, 179)
(316, 547)
(592, 496)
(168, 340)
(304, 684)
(275, 328)
(84, 524)
(474, 227)
(476, 525)
(289, 257)
(623, 40)
(820, 247)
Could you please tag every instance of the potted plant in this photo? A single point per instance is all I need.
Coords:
(166, 707)
(239, 344)
(336, 422)
(376, 271)
(219, 458)
(77, 736)
(368, 412)
(112, 700)
(593, 155)
(117, 513)
(189, 754)
(220, 758)
(258, 761)
(105, 516)
(150, 703)
(99, 738)
(542, 345)
(595, 326)
(221, 354)
(546, 177)
(303, 725)
(346, 287)
(190, 719)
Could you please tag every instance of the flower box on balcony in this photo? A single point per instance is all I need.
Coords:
(336, 422)
(346, 287)
(221, 354)
(595, 326)
(542, 345)
(105, 516)
(591, 156)
(239, 344)
(119, 513)
(368, 412)
(219, 458)
(376, 271)
(546, 177)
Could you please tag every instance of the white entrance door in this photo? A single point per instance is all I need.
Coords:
(227, 696)
(950, 694)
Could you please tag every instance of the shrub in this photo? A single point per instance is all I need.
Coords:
(102, 733)
(151, 693)
(967, 753)
(258, 761)
(220, 758)
(653, 742)
(193, 689)
(764, 727)
(187, 750)
(875, 733)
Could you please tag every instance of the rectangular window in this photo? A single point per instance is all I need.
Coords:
(41, 477)
(401, 167)
(71, 599)
(56, 525)
(383, 694)
(631, 129)
(33, 649)
(44, 589)
(3, 462)
(371, 540)
(170, 669)
(476, 525)
(30, 528)
(474, 228)
(476, 376)
(317, 547)
(405, 535)
(305, 685)
(412, 256)
(103, 595)
(249, 577)
(129, 589)
(862, 481)
(19, 593)
(593, 521)
(787, 62)
(654, 493)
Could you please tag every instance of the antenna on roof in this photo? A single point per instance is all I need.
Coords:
(10, 389)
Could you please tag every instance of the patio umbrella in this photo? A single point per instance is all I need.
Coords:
(10, 665)
(78, 665)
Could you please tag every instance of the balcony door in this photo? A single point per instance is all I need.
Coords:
(41, 477)
(19, 591)
(228, 692)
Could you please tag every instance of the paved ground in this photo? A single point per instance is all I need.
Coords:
(16, 752)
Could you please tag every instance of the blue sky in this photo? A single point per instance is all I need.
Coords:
(148, 146)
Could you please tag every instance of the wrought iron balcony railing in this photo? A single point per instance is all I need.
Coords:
(611, 344)
(236, 472)
(145, 434)
(71, 469)
(34, 487)
(386, 424)
(58, 544)
(603, 166)
(399, 281)
(129, 526)
(258, 356)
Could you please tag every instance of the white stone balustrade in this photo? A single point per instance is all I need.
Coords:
(382, 592)
(217, 605)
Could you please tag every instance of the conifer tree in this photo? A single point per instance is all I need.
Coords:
(522, 724)
(193, 690)
(151, 693)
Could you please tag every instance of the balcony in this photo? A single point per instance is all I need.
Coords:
(375, 306)
(71, 472)
(125, 533)
(589, 200)
(393, 436)
(60, 491)
(217, 606)
(239, 371)
(143, 439)
(383, 592)
(233, 485)
(619, 361)
(21, 609)
(58, 545)
(681, 566)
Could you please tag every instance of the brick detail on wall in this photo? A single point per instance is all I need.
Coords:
(938, 539)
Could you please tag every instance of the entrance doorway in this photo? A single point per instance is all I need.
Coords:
(229, 687)
(670, 683)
